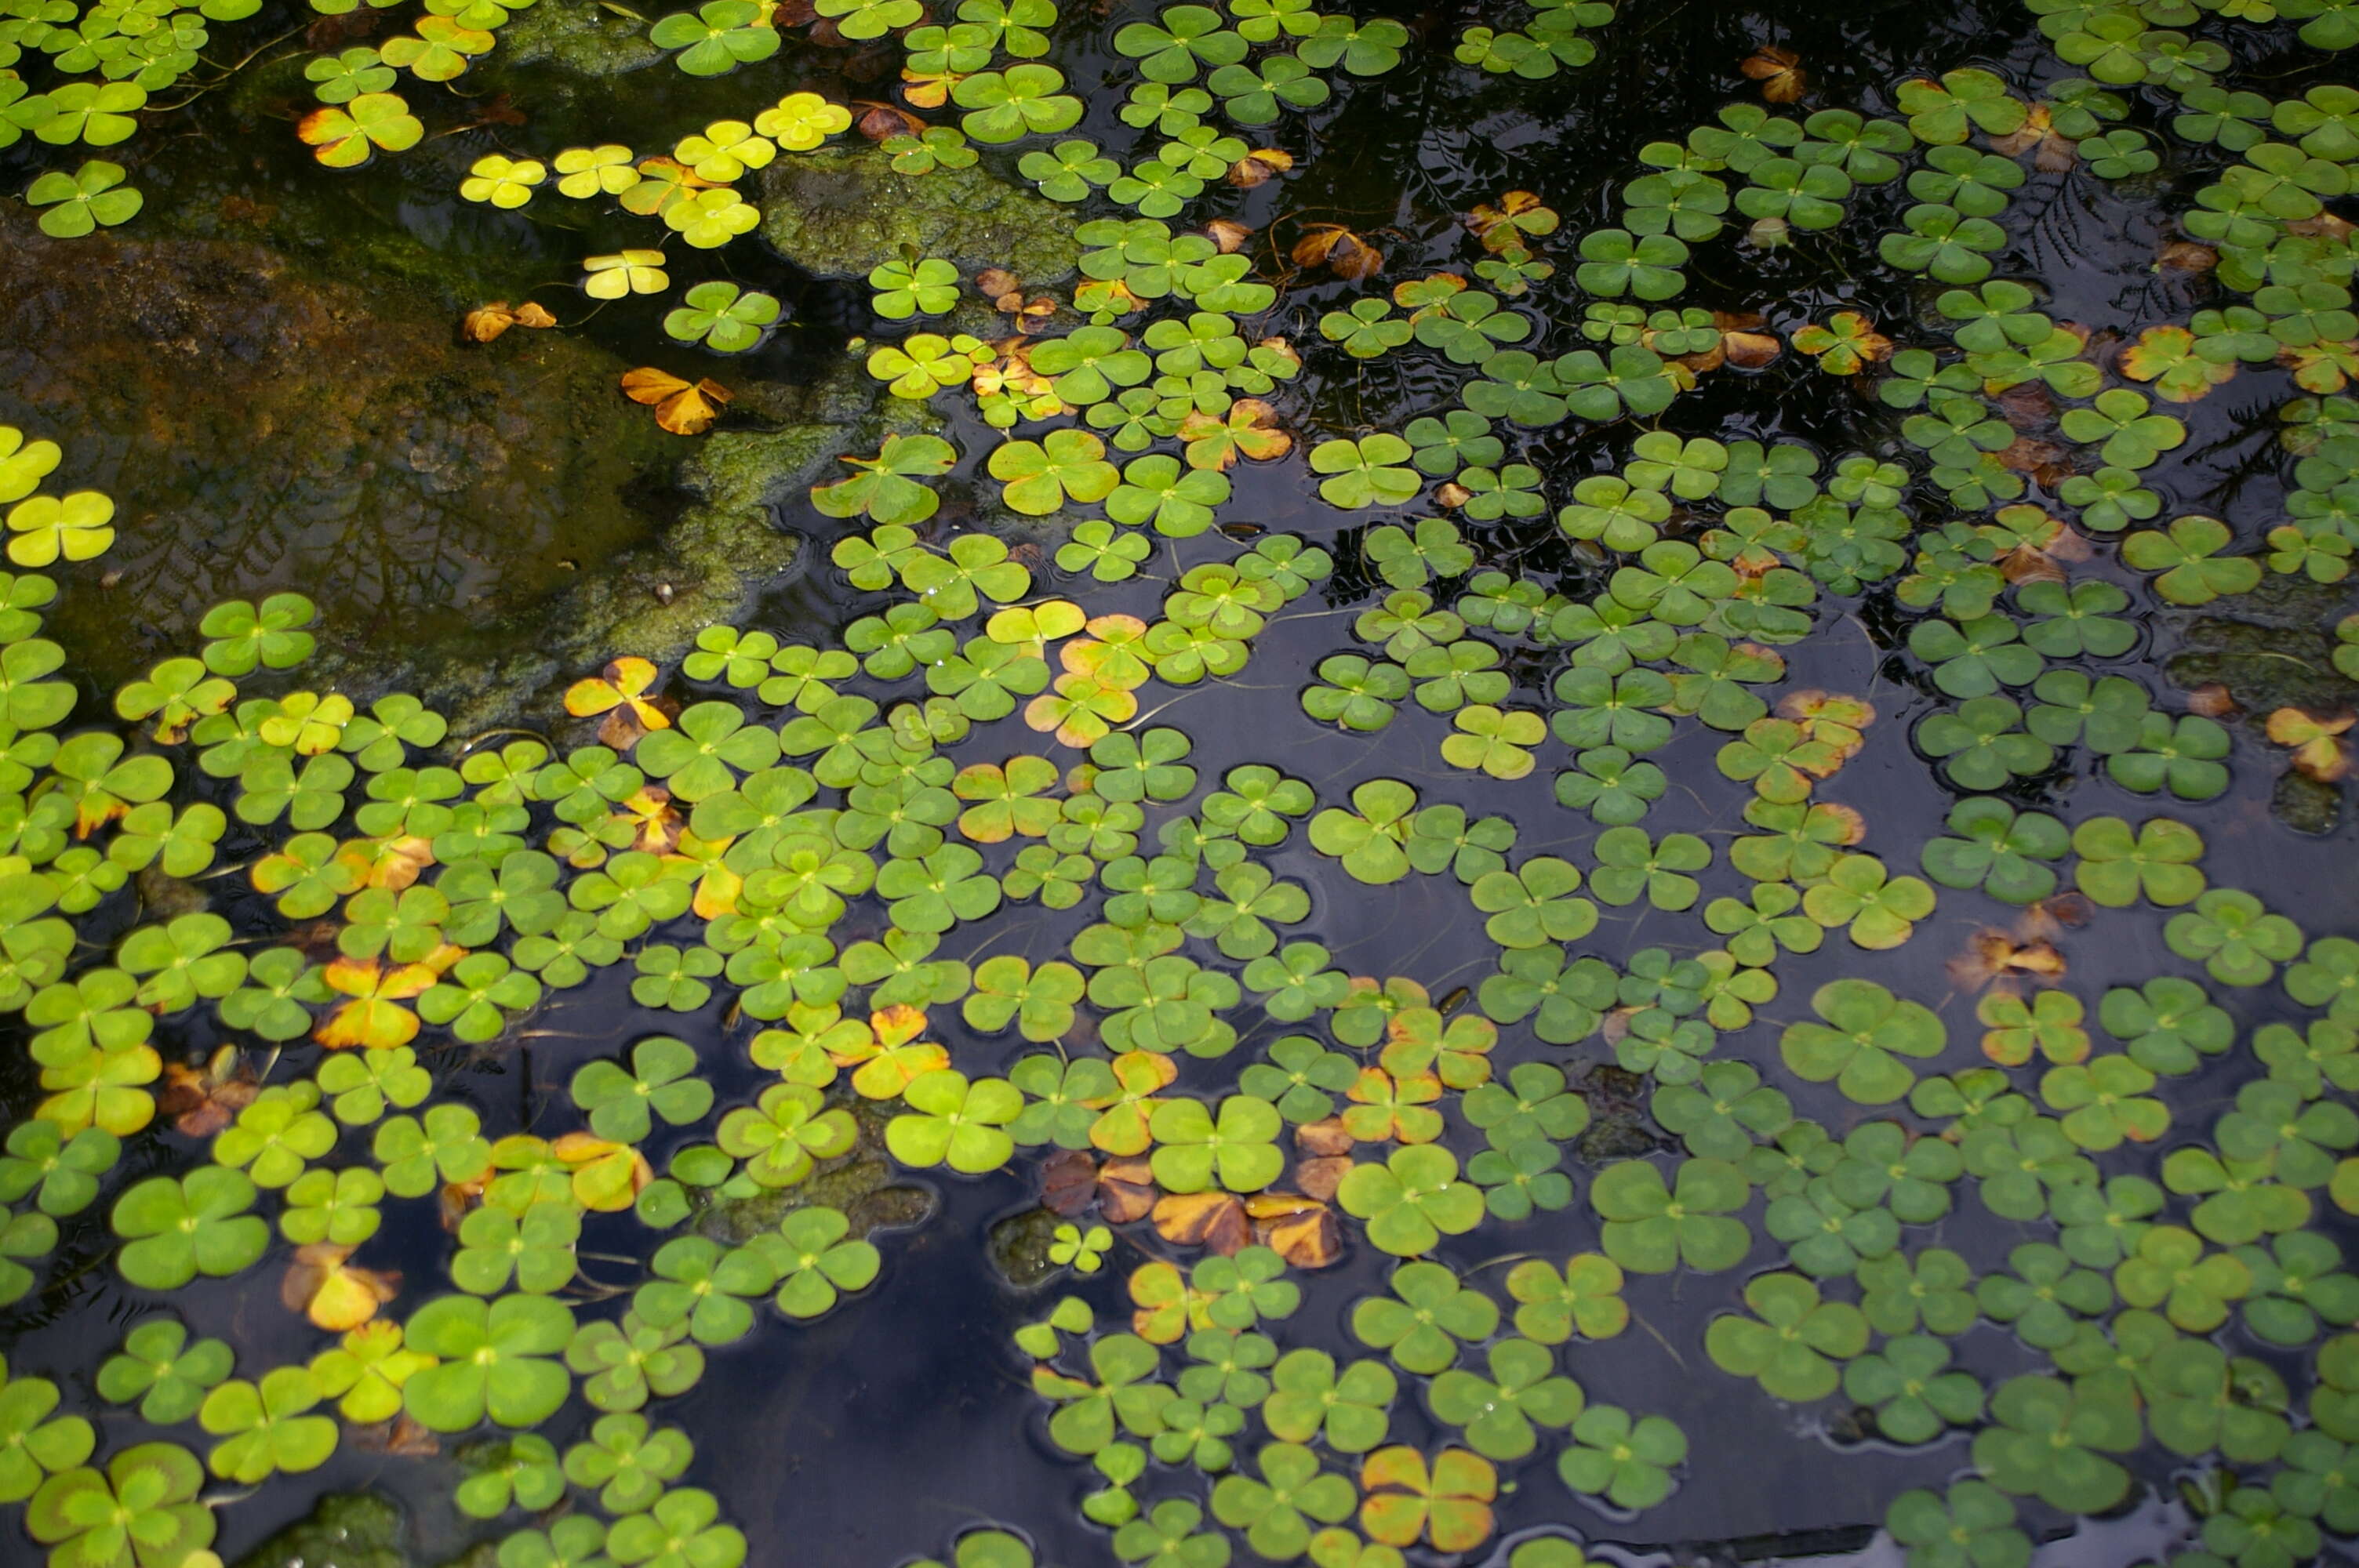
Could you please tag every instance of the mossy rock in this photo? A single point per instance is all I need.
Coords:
(347, 1529)
(1019, 1248)
(261, 428)
(580, 35)
(863, 1184)
(843, 212)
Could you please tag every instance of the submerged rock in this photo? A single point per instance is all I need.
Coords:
(1019, 1248)
(259, 430)
(582, 36)
(347, 1529)
(840, 213)
(864, 1184)
(2274, 648)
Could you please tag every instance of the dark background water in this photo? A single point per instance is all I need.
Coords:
(875, 1434)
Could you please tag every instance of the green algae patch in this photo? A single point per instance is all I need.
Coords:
(844, 212)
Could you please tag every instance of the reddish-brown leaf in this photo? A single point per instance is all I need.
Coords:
(1213, 1220)
(1779, 71)
(1126, 1190)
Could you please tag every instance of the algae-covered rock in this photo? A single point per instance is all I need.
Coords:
(582, 36)
(2273, 647)
(1019, 1248)
(863, 1184)
(261, 428)
(841, 212)
(347, 1529)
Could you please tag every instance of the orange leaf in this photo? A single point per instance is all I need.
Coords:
(1126, 1190)
(1779, 72)
(1214, 1221)
(1228, 234)
(335, 1297)
(1299, 1229)
(682, 407)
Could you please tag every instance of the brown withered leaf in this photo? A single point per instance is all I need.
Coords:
(2323, 226)
(2185, 255)
(457, 1200)
(793, 14)
(1258, 166)
(828, 35)
(1213, 1220)
(2057, 153)
(682, 407)
(486, 322)
(1321, 1177)
(2213, 700)
(1323, 1137)
(1068, 1183)
(1340, 250)
(998, 285)
(334, 1295)
(1452, 495)
(1227, 235)
(1126, 1190)
(200, 1101)
(1690, 366)
(1993, 956)
(1299, 1229)
(1519, 216)
(1779, 71)
(2025, 406)
(1748, 349)
(878, 122)
(401, 1435)
(2054, 915)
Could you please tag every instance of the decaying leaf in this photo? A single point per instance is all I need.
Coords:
(1340, 250)
(2213, 700)
(401, 1435)
(619, 692)
(655, 824)
(392, 864)
(2316, 739)
(1519, 216)
(607, 1176)
(881, 121)
(335, 1296)
(1747, 346)
(1829, 718)
(1452, 495)
(684, 408)
(1259, 167)
(2057, 152)
(486, 322)
(1993, 956)
(1779, 71)
(1324, 1138)
(200, 1101)
(2185, 255)
(1301, 1229)
(1228, 234)
(1126, 1190)
(1213, 1220)
(1068, 1183)
(1319, 1178)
